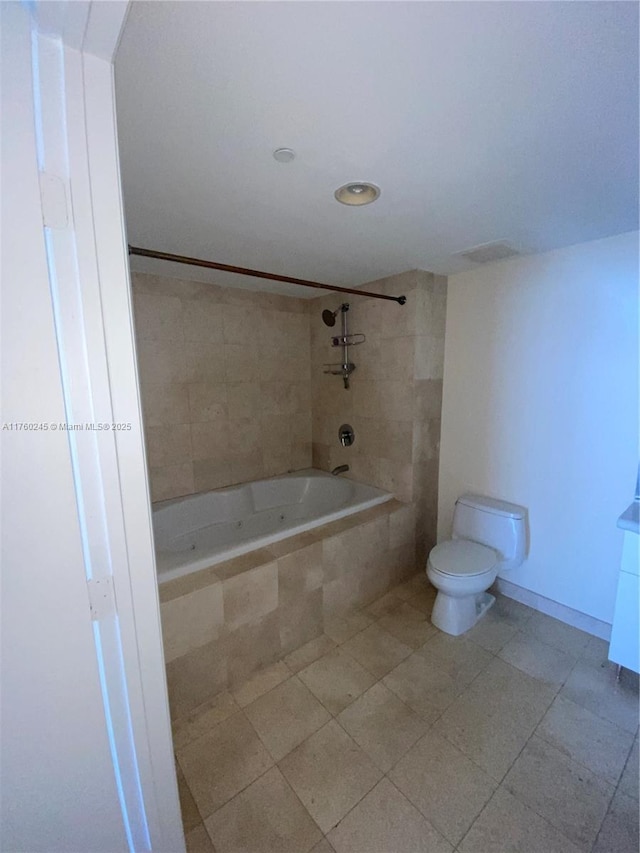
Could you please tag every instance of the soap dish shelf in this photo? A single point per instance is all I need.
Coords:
(348, 340)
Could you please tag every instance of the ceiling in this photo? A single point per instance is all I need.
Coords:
(480, 121)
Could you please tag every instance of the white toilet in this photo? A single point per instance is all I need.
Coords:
(488, 538)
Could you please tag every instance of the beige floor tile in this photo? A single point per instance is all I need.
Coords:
(323, 847)
(508, 826)
(382, 725)
(285, 716)
(531, 655)
(629, 781)
(423, 686)
(596, 689)
(408, 625)
(330, 774)
(596, 652)
(416, 584)
(565, 793)
(461, 659)
(202, 719)
(311, 651)
(493, 719)
(342, 628)
(198, 841)
(377, 650)
(491, 633)
(336, 680)
(557, 634)
(266, 817)
(424, 600)
(386, 821)
(586, 738)
(383, 605)
(419, 591)
(500, 624)
(188, 808)
(511, 611)
(619, 832)
(449, 790)
(222, 762)
(261, 683)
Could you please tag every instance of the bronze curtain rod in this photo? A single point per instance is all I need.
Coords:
(212, 265)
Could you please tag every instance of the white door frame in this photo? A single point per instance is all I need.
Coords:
(74, 45)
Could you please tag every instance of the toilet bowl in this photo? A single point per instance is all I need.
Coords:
(489, 537)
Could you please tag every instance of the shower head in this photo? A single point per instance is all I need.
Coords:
(329, 317)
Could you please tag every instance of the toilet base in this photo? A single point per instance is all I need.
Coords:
(455, 615)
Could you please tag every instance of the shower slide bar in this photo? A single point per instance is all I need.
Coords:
(213, 265)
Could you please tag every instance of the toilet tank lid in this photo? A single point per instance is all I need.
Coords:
(492, 505)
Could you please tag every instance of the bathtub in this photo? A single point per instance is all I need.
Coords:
(198, 531)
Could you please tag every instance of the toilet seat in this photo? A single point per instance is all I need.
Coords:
(460, 557)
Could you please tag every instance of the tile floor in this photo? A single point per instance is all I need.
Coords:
(387, 736)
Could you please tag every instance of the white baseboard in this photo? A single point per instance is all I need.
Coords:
(552, 608)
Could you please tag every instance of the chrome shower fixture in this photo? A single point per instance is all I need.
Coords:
(345, 368)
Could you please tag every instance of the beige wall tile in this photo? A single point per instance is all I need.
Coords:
(396, 478)
(251, 595)
(168, 445)
(165, 403)
(207, 401)
(402, 525)
(242, 362)
(429, 357)
(210, 440)
(299, 573)
(251, 647)
(211, 474)
(241, 323)
(158, 317)
(320, 456)
(191, 621)
(195, 678)
(202, 320)
(300, 455)
(244, 437)
(301, 621)
(355, 547)
(204, 361)
(161, 362)
(171, 481)
(247, 468)
(244, 399)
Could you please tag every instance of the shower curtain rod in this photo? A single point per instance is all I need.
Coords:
(213, 265)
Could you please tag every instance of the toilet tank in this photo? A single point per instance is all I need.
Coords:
(498, 524)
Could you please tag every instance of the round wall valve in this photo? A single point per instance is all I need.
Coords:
(346, 435)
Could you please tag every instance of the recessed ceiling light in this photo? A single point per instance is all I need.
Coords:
(357, 193)
(284, 155)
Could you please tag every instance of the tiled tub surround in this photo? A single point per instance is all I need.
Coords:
(223, 623)
(198, 531)
(395, 396)
(391, 736)
(224, 375)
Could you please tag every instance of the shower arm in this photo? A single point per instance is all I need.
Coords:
(213, 265)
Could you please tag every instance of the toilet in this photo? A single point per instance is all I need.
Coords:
(488, 538)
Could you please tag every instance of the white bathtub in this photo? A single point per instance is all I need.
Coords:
(197, 531)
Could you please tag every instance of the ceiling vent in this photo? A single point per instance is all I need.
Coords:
(486, 253)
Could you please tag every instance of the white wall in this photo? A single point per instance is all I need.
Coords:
(58, 783)
(541, 408)
(86, 755)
